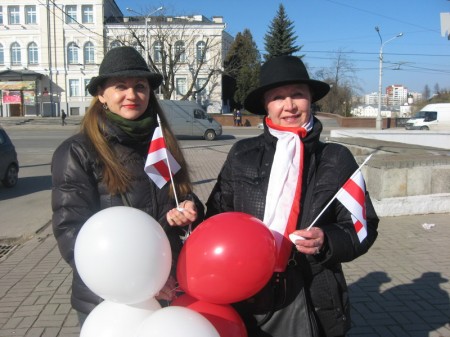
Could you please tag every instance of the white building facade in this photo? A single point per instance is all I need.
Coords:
(49, 51)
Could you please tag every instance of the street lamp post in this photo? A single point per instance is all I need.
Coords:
(379, 120)
(146, 28)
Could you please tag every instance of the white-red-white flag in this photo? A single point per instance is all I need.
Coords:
(160, 163)
(353, 195)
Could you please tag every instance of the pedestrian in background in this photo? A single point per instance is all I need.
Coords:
(238, 118)
(285, 177)
(103, 165)
(63, 117)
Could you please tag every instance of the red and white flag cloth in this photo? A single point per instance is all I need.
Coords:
(159, 160)
(352, 196)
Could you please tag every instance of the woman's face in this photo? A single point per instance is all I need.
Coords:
(288, 105)
(127, 97)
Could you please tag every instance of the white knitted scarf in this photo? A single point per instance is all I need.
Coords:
(284, 189)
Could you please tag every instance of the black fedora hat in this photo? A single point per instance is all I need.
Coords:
(123, 62)
(280, 71)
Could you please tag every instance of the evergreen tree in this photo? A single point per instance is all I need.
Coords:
(280, 39)
(242, 66)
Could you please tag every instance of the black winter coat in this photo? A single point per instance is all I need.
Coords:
(242, 186)
(78, 193)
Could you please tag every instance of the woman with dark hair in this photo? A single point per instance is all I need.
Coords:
(103, 165)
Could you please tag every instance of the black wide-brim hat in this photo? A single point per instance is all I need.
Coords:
(280, 71)
(123, 62)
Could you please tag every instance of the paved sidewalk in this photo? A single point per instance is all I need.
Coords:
(400, 288)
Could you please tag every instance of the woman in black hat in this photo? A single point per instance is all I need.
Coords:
(103, 165)
(286, 177)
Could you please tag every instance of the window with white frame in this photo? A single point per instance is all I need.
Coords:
(74, 88)
(201, 51)
(180, 51)
(71, 13)
(138, 47)
(200, 83)
(157, 51)
(89, 53)
(13, 15)
(1, 15)
(33, 53)
(87, 14)
(86, 83)
(2, 54)
(72, 53)
(16, 56)
(181, 85)
(30, 15)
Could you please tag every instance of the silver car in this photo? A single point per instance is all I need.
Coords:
(9, 166)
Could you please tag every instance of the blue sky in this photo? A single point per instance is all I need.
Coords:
(420, 57)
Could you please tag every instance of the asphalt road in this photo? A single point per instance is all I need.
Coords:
(26, 208)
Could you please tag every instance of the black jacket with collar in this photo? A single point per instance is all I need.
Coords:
(242, 186)
(78, 192)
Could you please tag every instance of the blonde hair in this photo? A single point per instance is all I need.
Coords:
(115, 175)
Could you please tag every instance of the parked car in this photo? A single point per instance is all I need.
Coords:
(9, 166)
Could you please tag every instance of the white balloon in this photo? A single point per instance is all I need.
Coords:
(110, 319)
(176, 322)
(123, 255)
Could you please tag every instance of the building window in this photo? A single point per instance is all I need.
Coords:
(138, 47)
(87, 14)
(30, 15)
(89, 53)
(71, 13)
(86, 82)
(33, 53)
(201, 51)
(2, 55)
(181, 86)
(180, 51)
(13, 15)
(74, 88)
(200, 83)
(72, 53)
(157, 51)
(16, 57)
(1, 15)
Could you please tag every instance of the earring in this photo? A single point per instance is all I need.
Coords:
(105, 106)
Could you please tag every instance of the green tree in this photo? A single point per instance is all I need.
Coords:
(241, 67)
(280, 39)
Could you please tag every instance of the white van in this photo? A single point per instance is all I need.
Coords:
(187, 118)
(432, 116)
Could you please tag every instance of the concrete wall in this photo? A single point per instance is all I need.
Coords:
(402, 179)
(438, 139)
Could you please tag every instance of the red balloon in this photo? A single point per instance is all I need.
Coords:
(227, 258)
(223, 317)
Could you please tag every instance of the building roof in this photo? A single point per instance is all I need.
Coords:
(19, 75)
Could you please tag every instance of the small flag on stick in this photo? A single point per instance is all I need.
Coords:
(160, 165)
(352, 195)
